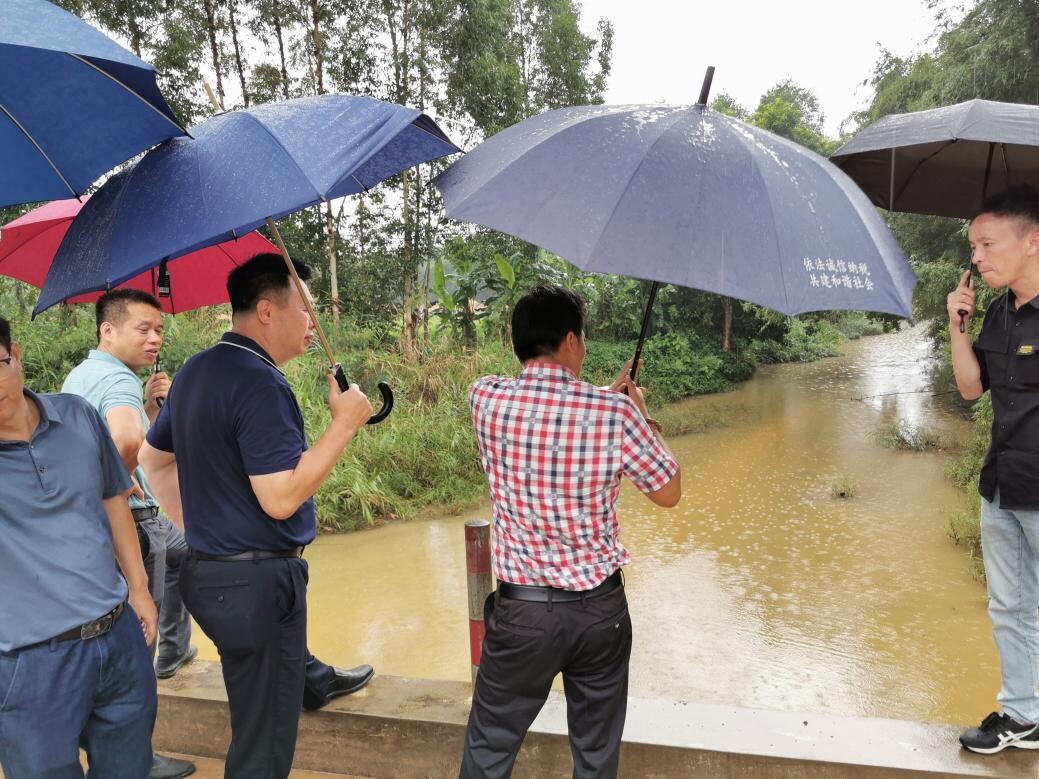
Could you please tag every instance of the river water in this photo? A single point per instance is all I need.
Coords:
(761, 589)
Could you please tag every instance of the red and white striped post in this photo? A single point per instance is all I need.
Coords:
(480, 583)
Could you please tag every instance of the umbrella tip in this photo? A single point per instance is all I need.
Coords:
(705, 89)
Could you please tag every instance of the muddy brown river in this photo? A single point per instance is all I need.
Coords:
(761, 589)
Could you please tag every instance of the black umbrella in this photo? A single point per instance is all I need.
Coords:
(944, 161)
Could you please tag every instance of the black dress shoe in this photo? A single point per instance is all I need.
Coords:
(169, 768)
(343, 682)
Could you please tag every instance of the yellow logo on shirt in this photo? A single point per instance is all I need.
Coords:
(1026, 350)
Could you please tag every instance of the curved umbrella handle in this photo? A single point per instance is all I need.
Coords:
(384, 390)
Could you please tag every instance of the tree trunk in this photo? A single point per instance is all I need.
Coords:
(319, 67)
(422, 231)
(524, 41)
(239, 65)
(333, 273)
(727, 332)
(330, 226)
(276, 23)
(410, 319)
(135, 37)
(214, 49)
(399, 51)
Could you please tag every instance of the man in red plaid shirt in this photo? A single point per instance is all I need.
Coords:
(554, 449)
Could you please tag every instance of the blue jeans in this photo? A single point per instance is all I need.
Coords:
(1010, 542)
(98, 694)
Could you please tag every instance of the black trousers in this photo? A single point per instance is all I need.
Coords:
(526, 645)
(255, 613)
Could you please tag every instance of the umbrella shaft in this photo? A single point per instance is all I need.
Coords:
(645, 328)
(302, 292)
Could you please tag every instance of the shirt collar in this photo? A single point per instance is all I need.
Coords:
(48, 411)
(248, 343)
(97, 354)
(1007, 300)
(547, 370)
(48, 414)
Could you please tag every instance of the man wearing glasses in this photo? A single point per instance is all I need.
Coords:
(129, 336)
(74, 663)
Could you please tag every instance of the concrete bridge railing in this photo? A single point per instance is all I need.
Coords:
(400, 728)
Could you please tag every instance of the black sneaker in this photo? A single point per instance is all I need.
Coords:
(999, 731)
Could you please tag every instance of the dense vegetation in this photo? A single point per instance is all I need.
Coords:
(425, 303)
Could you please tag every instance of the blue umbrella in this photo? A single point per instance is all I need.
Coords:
(689, 196)
(241, 170)
(73, 104)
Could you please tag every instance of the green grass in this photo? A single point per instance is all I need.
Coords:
(424, 455)
(844, 488)
(914, 438)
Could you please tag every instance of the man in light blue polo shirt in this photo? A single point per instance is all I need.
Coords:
(74, 664)
(129, 331)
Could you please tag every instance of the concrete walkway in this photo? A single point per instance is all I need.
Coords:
(399, 728)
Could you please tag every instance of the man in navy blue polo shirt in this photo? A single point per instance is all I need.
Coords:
(228, 452)
(74, 663)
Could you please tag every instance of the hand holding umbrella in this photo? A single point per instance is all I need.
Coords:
(158, 385)
(961, 300)
(335, 368)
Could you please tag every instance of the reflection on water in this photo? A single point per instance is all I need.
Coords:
(761, 589)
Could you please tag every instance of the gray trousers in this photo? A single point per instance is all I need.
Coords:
(164, 550)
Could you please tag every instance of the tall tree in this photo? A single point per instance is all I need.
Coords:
(232, 23)
(212, 28)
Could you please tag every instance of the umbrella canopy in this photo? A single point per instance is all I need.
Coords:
(946, 160)
(239, 169)
(688, 196)
(73, 104)
(28, 245)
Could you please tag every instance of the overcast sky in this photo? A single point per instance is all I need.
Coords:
(662, 47)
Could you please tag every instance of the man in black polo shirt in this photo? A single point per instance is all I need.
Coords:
(1004, 240)
(228, 451)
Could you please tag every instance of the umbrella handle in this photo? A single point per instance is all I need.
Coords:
(963, 312)
(384, 390)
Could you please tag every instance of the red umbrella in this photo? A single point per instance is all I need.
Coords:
(28, 245)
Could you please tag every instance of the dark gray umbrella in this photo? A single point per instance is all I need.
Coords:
(944, 161)
(685, 195)
(689, 196)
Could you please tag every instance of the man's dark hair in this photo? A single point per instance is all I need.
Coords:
(257, 278)
(5, 335)
(112, 306)
(1021, 201)
(542, 318)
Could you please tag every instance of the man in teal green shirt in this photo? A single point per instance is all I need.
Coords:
(129, 327)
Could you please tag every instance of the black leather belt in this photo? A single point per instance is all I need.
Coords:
(139, 515)
(555, 594)
(93, 629)
(254, 555)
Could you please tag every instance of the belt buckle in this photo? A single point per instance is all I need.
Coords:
(96, 628)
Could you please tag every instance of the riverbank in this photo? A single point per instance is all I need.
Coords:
(423, 458)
